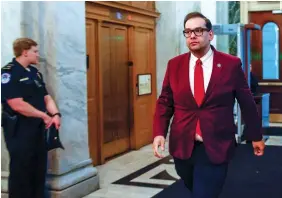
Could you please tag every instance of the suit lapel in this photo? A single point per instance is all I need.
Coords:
(215, 76)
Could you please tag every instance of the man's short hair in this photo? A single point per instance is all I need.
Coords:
(21, 44)
(198, 15)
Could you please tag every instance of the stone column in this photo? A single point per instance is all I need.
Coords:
(10, 19)
(59, 28)
(10, 30)
(166, 47)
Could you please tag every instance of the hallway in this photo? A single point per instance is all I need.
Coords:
(139, 174)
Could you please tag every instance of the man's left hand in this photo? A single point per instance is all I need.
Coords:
(258, 148)
(57, 121)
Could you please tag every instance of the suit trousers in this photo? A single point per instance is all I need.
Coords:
(203, 178)
(28, 162)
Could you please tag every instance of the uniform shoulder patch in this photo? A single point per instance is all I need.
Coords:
(5, 78)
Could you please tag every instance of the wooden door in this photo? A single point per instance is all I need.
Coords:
(114, 72)
(266, 47)
(143, 50)
(92, 90)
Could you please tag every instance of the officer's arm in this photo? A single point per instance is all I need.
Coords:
(24, 108)
(49, 102)
(50, 105)
(13, 95)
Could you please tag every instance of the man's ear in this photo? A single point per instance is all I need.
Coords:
(24, 53)
(211, 34)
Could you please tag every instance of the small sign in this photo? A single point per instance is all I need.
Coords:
(144, 84)
(119, 16)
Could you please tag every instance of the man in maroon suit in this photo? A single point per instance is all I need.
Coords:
(199, 90)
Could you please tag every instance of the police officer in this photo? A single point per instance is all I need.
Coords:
(24, 96)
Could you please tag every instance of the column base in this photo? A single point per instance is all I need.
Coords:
(75, 184)
(78, 190)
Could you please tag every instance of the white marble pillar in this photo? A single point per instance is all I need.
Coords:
(10, 30)
(59, 28)
(166, 38)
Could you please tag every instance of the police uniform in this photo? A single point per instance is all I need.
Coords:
(27, 143)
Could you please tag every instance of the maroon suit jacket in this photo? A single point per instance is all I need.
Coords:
(215, 113)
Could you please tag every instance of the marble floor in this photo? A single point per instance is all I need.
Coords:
(138, 174)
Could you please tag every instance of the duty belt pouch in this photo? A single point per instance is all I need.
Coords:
(9, 123)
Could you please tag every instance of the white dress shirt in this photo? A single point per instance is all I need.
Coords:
(207, 64)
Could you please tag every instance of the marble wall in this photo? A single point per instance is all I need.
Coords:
(166, 38)
(10, 30)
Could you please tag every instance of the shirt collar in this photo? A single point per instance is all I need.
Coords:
(203, 59)
(19, 66)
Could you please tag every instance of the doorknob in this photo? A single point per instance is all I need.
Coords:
(87, 61)
(130, 63)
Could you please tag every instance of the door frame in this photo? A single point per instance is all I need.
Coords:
(103, 12)
(252, 6)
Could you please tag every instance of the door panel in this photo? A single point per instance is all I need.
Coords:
(121, 83)
(143, 105)
(92, 91)
(115, 89)
(267, 58)
(106, 60)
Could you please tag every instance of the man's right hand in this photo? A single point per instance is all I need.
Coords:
(158, 141)
(47, 120)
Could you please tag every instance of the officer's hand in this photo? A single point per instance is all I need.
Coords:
(158, 141)
(47, 120)
(57, 121)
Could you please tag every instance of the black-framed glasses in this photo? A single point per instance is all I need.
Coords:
(197, 31)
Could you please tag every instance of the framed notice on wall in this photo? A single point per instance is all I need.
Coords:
(144, 84)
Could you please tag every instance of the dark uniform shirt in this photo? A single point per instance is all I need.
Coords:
(20, 82)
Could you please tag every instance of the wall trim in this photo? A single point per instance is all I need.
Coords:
(247, 6)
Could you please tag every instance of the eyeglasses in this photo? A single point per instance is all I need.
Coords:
(198, 32)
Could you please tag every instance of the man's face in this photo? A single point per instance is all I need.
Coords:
(200, 42)
(32, 55)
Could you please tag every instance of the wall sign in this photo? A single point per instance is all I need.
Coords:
(144, 84)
